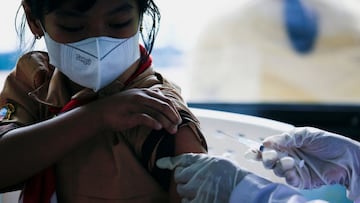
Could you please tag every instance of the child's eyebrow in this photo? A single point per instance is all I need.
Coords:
(122, 8)
(74, 13)
(68, 13)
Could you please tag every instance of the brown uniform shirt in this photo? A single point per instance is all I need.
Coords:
(113, 167)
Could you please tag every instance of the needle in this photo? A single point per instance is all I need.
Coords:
(256, 149)
(248, 142)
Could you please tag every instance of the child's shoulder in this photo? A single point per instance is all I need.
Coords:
(34, 66)
(35, 59)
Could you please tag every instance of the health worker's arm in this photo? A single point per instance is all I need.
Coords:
(254, 189)
(212, 179)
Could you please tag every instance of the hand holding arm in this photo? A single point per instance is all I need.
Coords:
(134, 107)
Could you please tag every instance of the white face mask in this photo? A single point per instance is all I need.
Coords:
(94, 62)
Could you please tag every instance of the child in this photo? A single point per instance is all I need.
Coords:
(86, 121)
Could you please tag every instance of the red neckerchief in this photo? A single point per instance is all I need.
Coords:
(145, 63)
(41, 187)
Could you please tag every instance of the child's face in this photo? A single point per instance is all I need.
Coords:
(113, 18)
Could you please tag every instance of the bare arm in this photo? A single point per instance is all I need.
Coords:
(185, 141)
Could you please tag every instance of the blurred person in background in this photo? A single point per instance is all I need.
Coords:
(280, 51)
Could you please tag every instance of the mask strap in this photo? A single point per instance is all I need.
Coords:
(42, 27)
(37, 36)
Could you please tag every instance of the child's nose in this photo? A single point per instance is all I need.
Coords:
(97, 29)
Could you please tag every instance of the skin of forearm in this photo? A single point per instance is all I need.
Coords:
(27, 150)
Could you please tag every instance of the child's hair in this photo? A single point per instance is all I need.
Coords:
(148, 10)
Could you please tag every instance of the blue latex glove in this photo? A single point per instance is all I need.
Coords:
(328, 159)
(203, 178)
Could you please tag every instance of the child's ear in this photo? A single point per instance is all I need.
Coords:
(34, 23)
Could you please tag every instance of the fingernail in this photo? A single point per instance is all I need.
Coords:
(158, 126)
(174, 129)
(287, 163)
(266, 144)
(269, 155)
(180, 121)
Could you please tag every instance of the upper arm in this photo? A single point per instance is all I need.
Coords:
(186, 141)
(160, 143)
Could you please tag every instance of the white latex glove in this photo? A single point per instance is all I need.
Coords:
(203, 178)
(328, 159)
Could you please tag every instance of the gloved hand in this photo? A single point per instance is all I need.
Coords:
(202, 178)
(328, 159)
